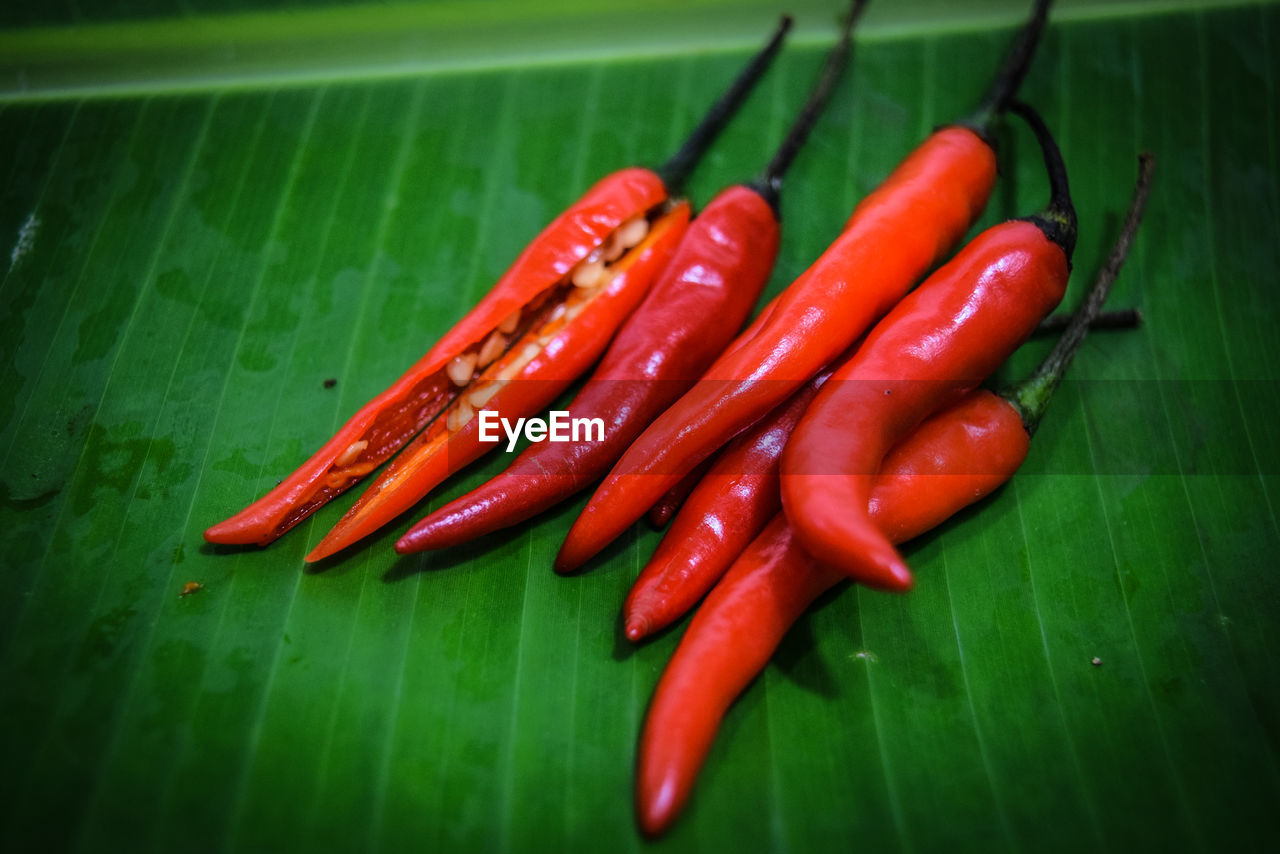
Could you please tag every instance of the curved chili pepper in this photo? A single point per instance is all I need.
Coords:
(941, 341)
(908, 224)
(563, 249)
(689, 316)
(955, 458)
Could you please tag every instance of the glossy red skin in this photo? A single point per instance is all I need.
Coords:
(669, 504)
(689, 316)
(570, 352)
(725, 512)
(895, 235)
(953, 459)
(949, 335)
(562, 244)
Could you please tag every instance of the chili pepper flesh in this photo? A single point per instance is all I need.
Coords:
(630, 387)
(568, 334)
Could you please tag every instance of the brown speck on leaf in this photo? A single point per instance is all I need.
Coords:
(190, 587)
(330, 383)
(1096, 662)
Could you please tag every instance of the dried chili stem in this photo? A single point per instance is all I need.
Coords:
(1007, 80)
(769, 184)
(1032, 395)
(676, 171)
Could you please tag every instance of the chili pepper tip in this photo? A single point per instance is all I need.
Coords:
(636, 629)
(891, 576)
(566, 565)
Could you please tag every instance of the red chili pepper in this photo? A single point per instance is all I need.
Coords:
(687, 319)
(893, 237)
(542, 364)
(668, 505)
(940, 342)
(953, 459)
(563, 250)
(725, 512)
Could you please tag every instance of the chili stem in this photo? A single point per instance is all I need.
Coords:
(1032, 395)
(1007, 80)
(676, 170)
(1058, 219)
(769, 185)
(1122, 318)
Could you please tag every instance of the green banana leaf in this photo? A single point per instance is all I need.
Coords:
(209, 213)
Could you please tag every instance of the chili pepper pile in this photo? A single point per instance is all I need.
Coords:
(544, 323)
(846, 418)
(687, 320)
(956, 456)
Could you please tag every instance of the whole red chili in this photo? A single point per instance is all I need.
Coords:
(893, 237)
(723, 513)
(940, 342)
(667, 506)
(686, 320)
(953, 459)
(572, 250)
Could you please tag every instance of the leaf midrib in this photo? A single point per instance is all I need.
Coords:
(259, 50)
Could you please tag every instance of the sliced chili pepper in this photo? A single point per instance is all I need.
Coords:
(567, 249)
(940, 342)
(687, 319)
(894, 236)
(955, 458)
(564, 341)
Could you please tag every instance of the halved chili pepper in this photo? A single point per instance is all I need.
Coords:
(687, 319)
(544, 362)
(572, 251)
(940, 342)
(894, 236)
(953, 459)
